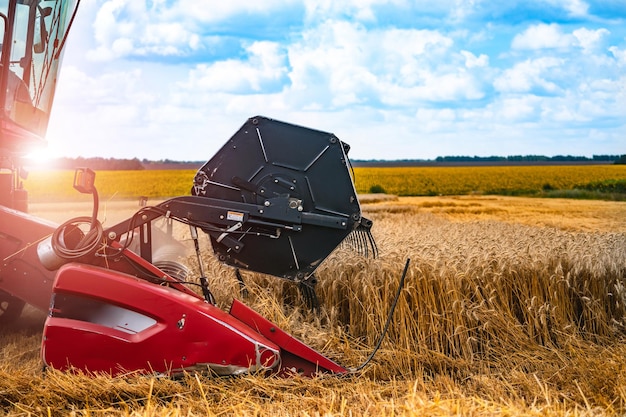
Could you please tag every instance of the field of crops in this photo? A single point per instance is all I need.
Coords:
(502, 314)
(403, 181)
(509, 180)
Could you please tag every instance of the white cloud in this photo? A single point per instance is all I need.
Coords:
(264, 69)
(589, 40)
(357, 10)
(574, 8)
(130, 28)
(435, 120)
(451, 87)
(352, 67)
(529, 76)
(216, 11)
(462, 9)
(619, 54)
(340, 63)
(542, 36)
(119, 87)
(472, 60)
(517, 109)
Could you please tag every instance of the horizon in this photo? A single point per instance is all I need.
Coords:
(46, 160)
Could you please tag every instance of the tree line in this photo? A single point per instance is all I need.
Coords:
(533, 158)
(96, 163)
(113, 164)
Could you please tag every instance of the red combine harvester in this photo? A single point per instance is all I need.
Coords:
(276, 199)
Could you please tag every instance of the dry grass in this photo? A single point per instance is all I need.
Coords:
(497, 317)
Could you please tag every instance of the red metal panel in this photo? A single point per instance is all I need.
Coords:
(21, 273)
(296, 356)
(187, 332)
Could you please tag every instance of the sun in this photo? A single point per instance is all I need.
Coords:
(39, 158)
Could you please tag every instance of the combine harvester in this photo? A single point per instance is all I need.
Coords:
(276, 199)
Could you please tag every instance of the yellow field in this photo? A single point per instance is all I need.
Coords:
(45, 186)
(512, 306)
(403, 181)
(407, 181)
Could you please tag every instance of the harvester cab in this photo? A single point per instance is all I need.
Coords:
(277, 198)
(33, 35)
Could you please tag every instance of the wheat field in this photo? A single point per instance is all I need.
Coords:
(56, 185)
(511, 306)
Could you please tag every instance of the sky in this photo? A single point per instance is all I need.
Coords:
(395, 79)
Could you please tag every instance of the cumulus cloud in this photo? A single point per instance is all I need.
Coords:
(361, 68)
(126, 28)
(263, 70)
(574, 8)
(112, 88)
(472, 60)
(619, 54)
(530, 76)
(343, 63)
(542, 36)
(590, 40)
(518, 109)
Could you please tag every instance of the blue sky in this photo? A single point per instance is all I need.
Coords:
(395, 79)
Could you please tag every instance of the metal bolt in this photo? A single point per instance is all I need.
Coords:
(112, 235)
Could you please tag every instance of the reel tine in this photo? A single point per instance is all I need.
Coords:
(372, 243)
(361, 239)
(242, 285)
(308, 293)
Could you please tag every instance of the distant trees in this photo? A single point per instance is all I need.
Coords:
(98, 164)
(115, 164)
(529, 158)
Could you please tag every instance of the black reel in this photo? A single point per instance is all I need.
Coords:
(305, 204)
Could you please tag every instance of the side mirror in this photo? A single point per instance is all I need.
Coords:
(5, 20)
(40, 46)
(4, 60)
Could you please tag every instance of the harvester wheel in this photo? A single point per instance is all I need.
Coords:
(10, 308)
